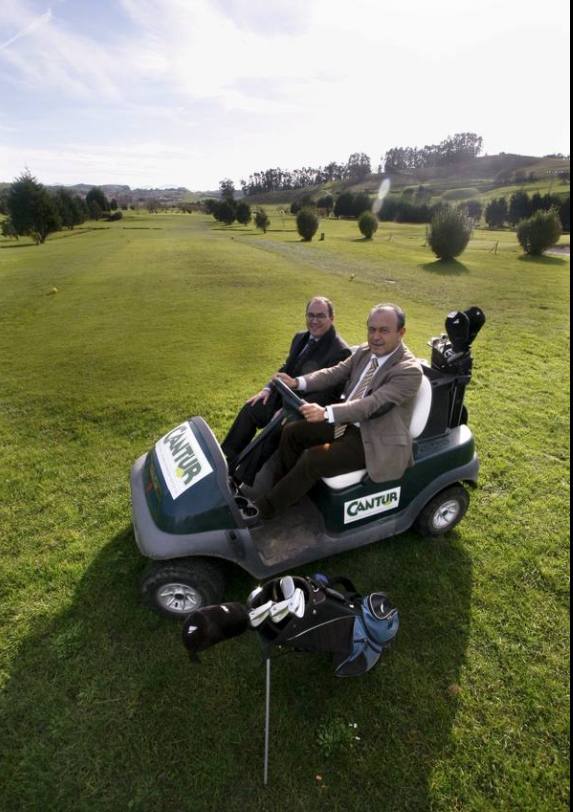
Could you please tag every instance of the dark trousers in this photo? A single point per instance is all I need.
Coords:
(308, 451)
(244, 428)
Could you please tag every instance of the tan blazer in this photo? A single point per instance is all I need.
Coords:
(384, 413)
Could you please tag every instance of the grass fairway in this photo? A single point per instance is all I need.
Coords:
(162, 317)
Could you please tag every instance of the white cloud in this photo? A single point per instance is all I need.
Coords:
(292, 82)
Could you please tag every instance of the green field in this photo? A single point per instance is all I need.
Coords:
(111, 336)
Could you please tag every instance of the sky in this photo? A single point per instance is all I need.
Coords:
(155, 93)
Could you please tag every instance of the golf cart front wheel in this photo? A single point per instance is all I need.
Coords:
(443, 512)
(176, 588)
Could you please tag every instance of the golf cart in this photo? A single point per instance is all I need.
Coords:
(191, 518)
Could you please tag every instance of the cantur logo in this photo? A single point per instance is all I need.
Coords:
(370, 505)
(182, 460)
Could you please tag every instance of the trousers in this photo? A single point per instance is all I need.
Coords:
(307, 452)
(245, 425)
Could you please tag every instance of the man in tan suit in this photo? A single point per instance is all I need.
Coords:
(369, 429)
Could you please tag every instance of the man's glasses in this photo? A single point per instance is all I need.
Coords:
(316, 316)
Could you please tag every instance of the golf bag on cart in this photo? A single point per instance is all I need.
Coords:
(316, 614)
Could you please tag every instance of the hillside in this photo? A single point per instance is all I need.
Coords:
(483, 177)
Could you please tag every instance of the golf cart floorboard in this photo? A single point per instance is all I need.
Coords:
(288, 535)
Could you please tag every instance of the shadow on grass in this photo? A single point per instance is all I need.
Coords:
(542, 260)
(449, 267)
(103, 709)
(21, 245)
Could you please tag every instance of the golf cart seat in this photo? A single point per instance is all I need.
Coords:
(420, 414)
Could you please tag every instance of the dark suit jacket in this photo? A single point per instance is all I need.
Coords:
(384, 413)
(328, 351)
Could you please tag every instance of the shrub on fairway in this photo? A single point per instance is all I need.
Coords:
(262, 220)
(97, 196)
(226, 212)
(306, 224)
(325, 202)
(449, 234)
(344, 206)
(361, 203)
(243, 213)
(496, 213)
(368, 224)
(539, 232)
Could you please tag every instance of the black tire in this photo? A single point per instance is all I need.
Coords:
(443, 512)
(175, 588)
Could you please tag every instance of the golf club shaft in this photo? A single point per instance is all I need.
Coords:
(267, 720)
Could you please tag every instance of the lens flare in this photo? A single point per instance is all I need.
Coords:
(382, 192)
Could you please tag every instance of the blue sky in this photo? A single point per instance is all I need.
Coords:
(187, 92)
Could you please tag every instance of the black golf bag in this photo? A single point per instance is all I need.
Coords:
(337, 620)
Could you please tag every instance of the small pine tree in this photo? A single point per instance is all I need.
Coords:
(306, 224)
(449, 234)
(539, 232)
(368, 224)
(32, 209)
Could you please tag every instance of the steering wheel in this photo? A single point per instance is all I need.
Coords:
(291, 401)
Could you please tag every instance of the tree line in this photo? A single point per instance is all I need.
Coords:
(452, 150)
(520, 206)
(272, 180)
(34, 211)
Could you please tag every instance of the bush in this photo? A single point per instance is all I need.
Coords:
(344, 206)
(295, 207)
(262, 220)
(368, 224)
(449, 234)
(361, 203)
(401, 211)
(539, 232)
(473, 209)
(243, 213)
(112, 218)
(325, 202)
(496, 212)
(306, 224)
(225, 212)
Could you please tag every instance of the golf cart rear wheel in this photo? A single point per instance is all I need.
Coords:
(443, 512)
(176, 588)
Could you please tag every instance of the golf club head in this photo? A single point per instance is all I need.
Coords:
(287, 587)
(476, 318)
(458, 330)
(259, 614)
(279, 611)
(297, 603)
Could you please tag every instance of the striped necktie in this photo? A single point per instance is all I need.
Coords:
(359, 393)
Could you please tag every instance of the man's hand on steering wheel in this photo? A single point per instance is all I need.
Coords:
(286, 379)
(313, 412)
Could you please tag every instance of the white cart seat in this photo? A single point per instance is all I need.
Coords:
(420, 415)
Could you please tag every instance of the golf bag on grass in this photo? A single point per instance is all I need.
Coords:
(317, 614)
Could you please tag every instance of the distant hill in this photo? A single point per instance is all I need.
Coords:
(480, 176)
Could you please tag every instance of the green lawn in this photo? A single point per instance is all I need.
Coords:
(109, 337)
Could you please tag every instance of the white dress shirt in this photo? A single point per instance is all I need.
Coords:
(381, 359)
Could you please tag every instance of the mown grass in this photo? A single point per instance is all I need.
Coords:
(163, 317)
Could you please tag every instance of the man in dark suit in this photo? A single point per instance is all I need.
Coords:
(317, 347)
(371, 429)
